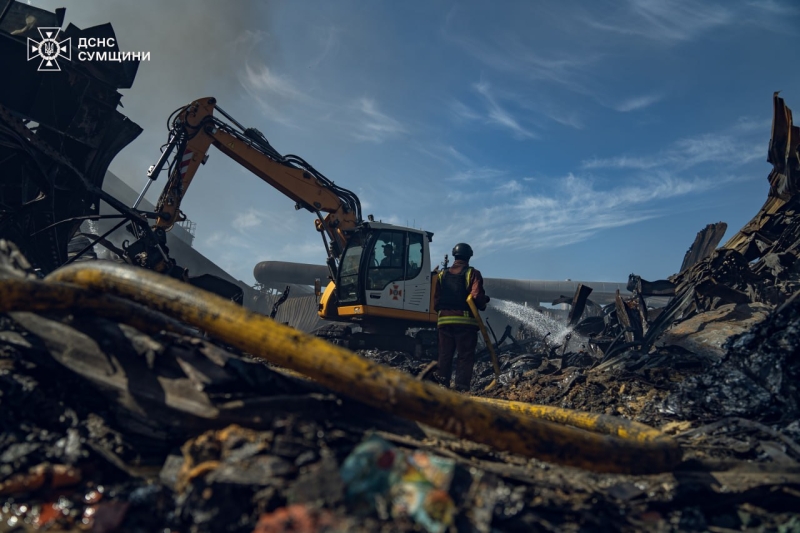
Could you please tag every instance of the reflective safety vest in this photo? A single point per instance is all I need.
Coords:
(454, 298)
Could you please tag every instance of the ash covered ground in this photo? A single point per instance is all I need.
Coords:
(105, 428)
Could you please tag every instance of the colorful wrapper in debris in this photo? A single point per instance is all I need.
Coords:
(417, 483)
(422, 491)
(369, 469)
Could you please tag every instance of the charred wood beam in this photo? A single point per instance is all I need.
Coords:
(641, 305)
(673, 311)
(624, 318)
(706, 242)
(579, 304)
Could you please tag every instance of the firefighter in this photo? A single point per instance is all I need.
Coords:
(458, 329)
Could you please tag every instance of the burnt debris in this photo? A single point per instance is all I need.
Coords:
(59, 134)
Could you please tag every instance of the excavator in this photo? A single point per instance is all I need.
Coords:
(380, 276)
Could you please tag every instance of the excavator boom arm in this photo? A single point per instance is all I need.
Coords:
(198, 129)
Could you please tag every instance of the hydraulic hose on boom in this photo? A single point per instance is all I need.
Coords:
(194, 128)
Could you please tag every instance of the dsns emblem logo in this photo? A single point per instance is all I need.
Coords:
(49, 49)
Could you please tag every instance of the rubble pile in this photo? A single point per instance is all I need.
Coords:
(724, 345)
(83, 449)
(758, 377)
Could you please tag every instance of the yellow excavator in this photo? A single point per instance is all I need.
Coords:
(380, 274)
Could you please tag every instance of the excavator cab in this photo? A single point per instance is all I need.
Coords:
(385, 272)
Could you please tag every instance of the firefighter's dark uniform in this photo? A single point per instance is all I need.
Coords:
(458, 329)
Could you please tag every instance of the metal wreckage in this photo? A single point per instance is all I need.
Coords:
(134, 401)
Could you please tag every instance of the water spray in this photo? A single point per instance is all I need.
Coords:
(541, 324)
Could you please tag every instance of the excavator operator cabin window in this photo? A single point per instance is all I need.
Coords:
(386, 260)
(348, 271)
(414, 255)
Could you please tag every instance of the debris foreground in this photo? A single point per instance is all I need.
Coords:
(106, 428)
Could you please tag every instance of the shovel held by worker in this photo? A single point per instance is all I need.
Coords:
(489, 344)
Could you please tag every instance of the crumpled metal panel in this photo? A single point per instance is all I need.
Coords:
(299, 312)
(760, 233)
(706, 242)
(76, 112)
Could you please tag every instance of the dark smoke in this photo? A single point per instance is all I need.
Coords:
(198, 48)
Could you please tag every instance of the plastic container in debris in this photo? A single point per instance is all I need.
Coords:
(415, 483)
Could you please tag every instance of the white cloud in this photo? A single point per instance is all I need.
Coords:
(476, 174)
(374, 126)
(575, 211)
(444, 153)
(272, 92)
(750, 124)
(309, 251)
(500, 116)
(728, 147)
(463, 112)
(215, 238)
(578, 207)
(507, 53)
(511, 186)
(621, 162)
(497, 113)
(774, 7)
(717, 148)
(249, 219)
(637, 103)
(666, 21)
(459, 197)
(571, 118)
(329, 41)
(458, 156)
(224, 239)
(261, 78)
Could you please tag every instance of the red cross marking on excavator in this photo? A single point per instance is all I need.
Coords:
(395, 292)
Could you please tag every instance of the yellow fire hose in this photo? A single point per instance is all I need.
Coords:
(40, 296)
(605, 424)
(486, 340)
(503, 427)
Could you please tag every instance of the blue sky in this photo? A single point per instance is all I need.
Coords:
(576, 139)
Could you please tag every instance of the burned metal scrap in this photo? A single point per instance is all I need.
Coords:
(756, 267)
(74, 112)
(706, 242)
(757, 378)
(720, 357)
(58, 135)
(759, 264)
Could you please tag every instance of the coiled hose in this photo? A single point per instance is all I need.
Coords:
(504, 426)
